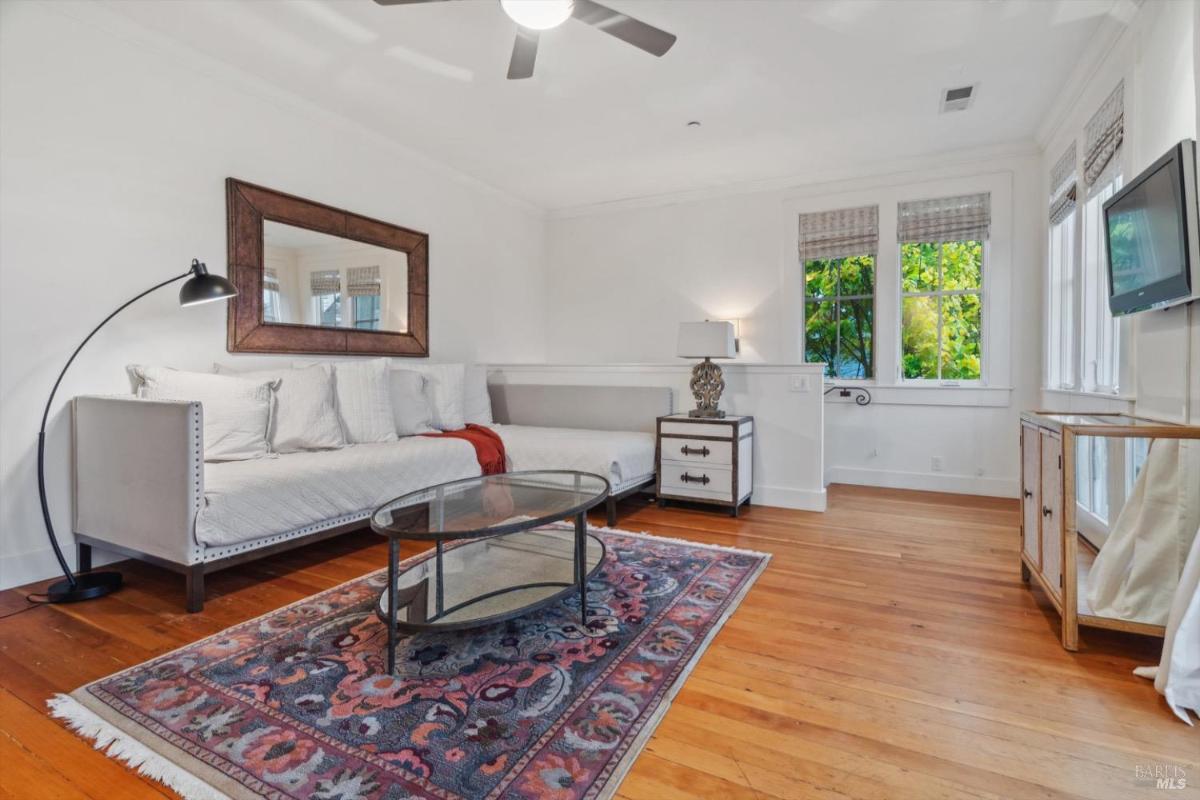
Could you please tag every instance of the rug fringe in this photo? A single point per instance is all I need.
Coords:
(116, 744)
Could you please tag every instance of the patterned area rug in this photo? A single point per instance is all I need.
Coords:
(297, 703)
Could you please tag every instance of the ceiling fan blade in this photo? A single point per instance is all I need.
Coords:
(624, 27)
(406, 2)
(523, 55)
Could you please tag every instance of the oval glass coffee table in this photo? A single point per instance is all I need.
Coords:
(497, 553)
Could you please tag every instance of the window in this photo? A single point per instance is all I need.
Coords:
(839, 318)
(326, 289)
(366, 312)
(1101, 333)
(271, 297)
(837, 252)
(941, 286)
(941, 310)
(1083, 341)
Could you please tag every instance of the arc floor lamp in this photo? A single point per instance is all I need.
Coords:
(201, 287)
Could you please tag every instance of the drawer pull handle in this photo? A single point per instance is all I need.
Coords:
(686, 478)
(694, 451)
(1046, 511)
(1028, 493)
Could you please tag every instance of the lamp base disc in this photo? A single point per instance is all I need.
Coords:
(88, 586)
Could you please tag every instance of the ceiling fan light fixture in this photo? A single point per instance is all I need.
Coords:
(538, 15)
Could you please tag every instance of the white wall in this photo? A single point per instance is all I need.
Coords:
(1156, 57)
(114, 148)
(621, 277)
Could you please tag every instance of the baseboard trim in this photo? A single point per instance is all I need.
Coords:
(925, 481)
(18, 569)
(784, 497)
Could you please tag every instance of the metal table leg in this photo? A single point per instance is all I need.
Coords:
(441, 581)
(393, 553)
(581, 563)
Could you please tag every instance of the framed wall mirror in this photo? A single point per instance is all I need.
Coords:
(316, 279)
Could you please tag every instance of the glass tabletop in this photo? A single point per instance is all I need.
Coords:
(489, 505)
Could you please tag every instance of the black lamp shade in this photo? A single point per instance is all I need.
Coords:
(203, 287)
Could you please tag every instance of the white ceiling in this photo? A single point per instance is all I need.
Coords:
(781, 86)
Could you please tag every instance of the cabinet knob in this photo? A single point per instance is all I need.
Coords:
(1028, 493)
(1046, 511)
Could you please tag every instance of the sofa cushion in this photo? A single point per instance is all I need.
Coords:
(249, 500)
(364, 400)
(237, 411)
(477, 404)
(625, 458)
(410, 403)
(305, 414)
(444, 385)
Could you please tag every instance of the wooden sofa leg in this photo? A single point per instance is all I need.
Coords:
(195, 588)
(611, 507)
(83, 562)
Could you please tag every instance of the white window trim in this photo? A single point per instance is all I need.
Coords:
(998, 312)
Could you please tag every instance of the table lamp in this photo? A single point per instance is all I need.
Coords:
(706, 340)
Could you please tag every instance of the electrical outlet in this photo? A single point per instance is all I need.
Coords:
(799, 383)
(935, 463)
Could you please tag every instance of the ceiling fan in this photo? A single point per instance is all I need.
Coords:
(534, 16)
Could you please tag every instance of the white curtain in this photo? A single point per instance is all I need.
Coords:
(1177, 676)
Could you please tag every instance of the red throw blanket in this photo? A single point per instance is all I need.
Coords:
(489, 448)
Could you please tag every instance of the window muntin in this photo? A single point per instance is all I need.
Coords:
(941, 313)
(839, 318)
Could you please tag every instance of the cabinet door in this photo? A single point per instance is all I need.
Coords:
(1051, 510)
(1031, 492)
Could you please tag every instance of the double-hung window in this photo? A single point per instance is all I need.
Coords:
(272, 300)
(1083, 340)
(364, 287)
(837, 251)
(942, 248)
(326, 290)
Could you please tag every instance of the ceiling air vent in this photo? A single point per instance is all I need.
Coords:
(957, 99)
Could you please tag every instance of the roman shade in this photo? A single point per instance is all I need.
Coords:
(363, 281)
(945, 219)
(1104, 133)
(326, 281)
(1062, 186)
(839, 234)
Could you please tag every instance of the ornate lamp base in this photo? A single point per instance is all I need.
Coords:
(707, 385)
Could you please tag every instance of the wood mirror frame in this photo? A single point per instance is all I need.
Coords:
(247, 206)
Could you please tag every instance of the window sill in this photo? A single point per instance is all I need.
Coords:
(901, 394)
(1120, 398)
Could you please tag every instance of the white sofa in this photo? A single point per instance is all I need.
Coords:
(143, 489)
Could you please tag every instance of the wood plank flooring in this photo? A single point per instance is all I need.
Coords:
(889, 651)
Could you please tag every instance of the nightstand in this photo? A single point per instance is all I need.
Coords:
(705, 460)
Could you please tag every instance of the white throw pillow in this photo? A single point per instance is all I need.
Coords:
(444, 387)
(364, 400)
(237, 411)
(305, 415)
(410, 405)
(477, 403)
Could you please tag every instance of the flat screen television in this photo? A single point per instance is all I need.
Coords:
(1153, 234)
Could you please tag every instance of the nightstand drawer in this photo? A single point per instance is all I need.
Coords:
(698, 451)
(721, 430)
(697, 480)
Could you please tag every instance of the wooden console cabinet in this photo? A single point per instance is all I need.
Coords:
(1053, 551)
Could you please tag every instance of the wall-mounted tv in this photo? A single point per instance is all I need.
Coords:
(1153, 232)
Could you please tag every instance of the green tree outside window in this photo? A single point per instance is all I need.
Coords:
(839, 318)
(941, 310)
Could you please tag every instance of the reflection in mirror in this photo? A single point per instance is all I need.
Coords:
(1137, 503)
(313, 278)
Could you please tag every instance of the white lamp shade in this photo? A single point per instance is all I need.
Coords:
(706, 340)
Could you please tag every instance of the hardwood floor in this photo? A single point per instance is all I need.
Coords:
(890, 650)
